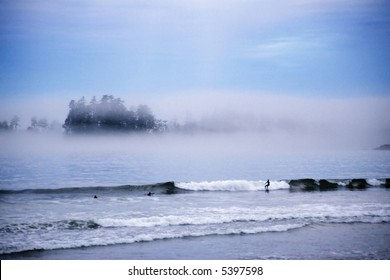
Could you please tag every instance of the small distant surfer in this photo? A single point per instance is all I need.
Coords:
(266, 186)
(95, 197)
(150, 194)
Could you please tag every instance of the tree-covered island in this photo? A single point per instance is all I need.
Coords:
(109, 114)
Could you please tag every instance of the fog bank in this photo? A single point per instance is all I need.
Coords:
(355, 122)
(220, 120)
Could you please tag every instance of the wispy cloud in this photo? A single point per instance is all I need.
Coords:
(286, 46)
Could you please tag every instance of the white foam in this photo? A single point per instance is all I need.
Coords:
(231, 185)
(375, 182)
(194, 221)
(307, 212)
(176, 220)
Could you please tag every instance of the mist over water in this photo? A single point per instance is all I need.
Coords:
(201, 143)
(229, 121)
(210, 137)
(46, 162)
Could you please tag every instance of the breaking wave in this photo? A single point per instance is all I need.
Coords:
(219, 221)
(222, 185)
(58, 225)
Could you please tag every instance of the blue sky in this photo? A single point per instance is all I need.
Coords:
(300, 47)
(55, 50)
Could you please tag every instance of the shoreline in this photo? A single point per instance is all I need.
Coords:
(355, 241)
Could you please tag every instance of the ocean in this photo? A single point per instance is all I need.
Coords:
(152, 199)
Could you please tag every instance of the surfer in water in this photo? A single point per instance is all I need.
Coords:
(150, 194)
(266, 186)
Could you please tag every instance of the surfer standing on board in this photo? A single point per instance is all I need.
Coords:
(266, 186)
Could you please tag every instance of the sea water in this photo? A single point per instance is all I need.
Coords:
(81, 198)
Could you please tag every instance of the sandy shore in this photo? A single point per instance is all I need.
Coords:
(320, 242)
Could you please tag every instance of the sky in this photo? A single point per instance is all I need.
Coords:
(174, 54)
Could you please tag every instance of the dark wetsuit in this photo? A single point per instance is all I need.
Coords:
(266, 185)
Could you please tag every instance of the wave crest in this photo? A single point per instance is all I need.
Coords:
(231, 185)
(172, 187)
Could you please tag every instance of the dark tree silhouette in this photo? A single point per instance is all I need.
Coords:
(4, 125)
(38, 125)
(12, 125)
(110, 114)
